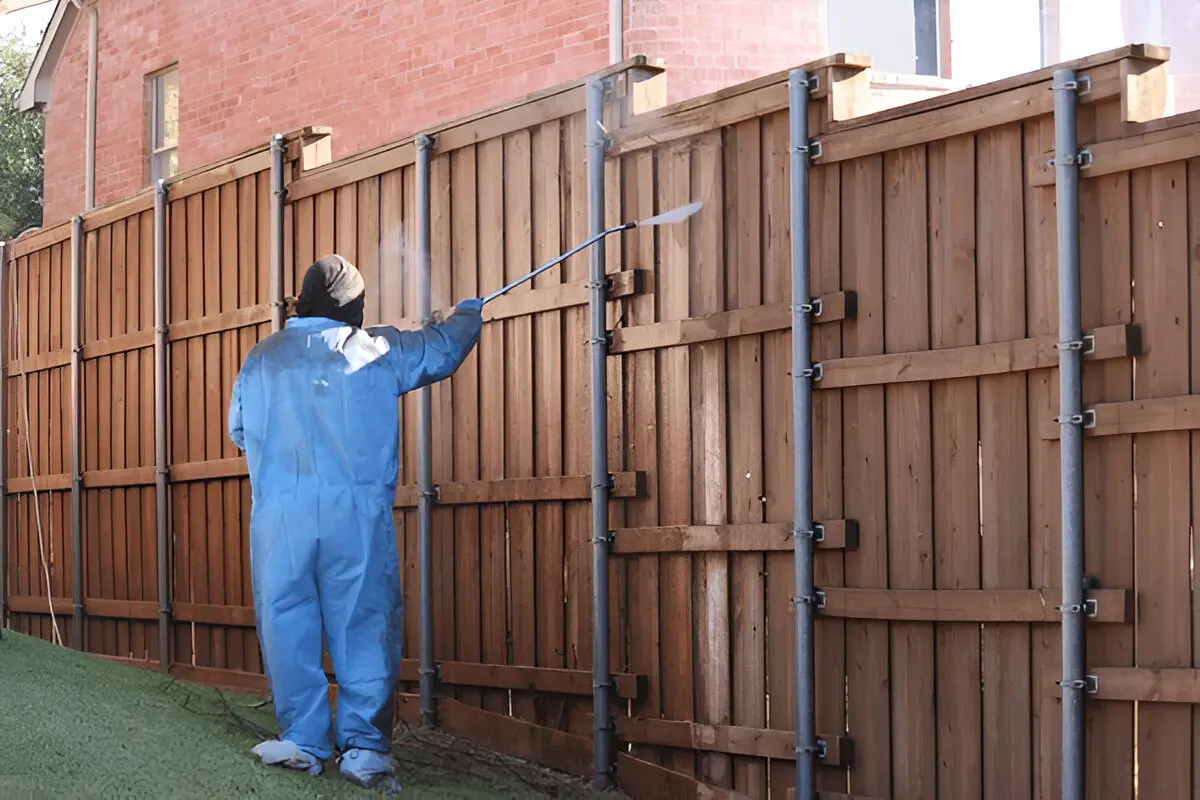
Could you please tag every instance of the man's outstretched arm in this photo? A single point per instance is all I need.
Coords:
(420, 358)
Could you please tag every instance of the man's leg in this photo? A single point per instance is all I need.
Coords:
(289, 629)
(363, 608)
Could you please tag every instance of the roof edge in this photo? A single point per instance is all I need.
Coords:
(39, 83)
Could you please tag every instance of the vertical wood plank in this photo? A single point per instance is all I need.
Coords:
(708, 368)
(777, 444)
(952, 181)
(577, 420)
(1108, 475)
(518, 410)
(491, 407)
(748, 674)
(368, 234)
(641, 402)
(675, 449)
(548, 433)
(909, 471)
(1041, 304)
(1162, 514)
(181, 550)
(443, 431)
(466, 420)
(228, 588)
(119, 402)
(304, 214)
(324, 224)
(1193, 204)
(104, 416)
(198, 533)
(866, 500)
(828, 491)
(213, 425)
(1004, 430)
(249, 269)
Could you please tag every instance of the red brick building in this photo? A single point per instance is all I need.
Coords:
(373, 71)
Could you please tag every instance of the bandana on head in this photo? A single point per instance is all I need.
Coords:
(333, 288)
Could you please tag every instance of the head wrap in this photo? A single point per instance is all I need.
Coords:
(333, 288)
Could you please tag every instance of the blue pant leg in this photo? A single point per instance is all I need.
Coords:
(289, 626)
(363, 609)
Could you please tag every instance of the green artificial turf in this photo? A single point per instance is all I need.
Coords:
(73, 725)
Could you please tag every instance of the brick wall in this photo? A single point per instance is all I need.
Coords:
(373, 71)
(710, 44)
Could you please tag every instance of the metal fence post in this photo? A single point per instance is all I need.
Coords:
(803, 375)
(1071, 419)
(427, 672)
(161, 464)
(278, 198)
(597, 144)
(76, 436)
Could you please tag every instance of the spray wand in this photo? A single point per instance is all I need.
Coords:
(665, 218)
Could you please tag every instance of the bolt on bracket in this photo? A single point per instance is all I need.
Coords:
(816, 372)
(1086, 420)
(1088, 683)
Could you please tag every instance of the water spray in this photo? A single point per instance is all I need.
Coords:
(666, 218)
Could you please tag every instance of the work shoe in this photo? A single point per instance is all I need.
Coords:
(370, 770)
(289, 755)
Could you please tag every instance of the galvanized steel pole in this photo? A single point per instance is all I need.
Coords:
(425, 490)
(278, 198)
(1071, 419)
(597, 143)
(802, 388)
(76, 437)
(161, 498)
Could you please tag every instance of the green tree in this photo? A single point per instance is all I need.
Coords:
(21, 143)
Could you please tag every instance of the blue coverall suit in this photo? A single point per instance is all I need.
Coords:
(315, 410)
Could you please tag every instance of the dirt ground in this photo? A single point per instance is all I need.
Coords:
(72, 725)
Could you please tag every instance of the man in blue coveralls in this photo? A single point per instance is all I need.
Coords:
(315, 410)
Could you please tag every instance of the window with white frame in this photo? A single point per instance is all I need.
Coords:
(163, 110)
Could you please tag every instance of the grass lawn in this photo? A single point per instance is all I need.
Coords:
(72, 725)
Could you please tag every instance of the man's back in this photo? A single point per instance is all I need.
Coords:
(319, 406)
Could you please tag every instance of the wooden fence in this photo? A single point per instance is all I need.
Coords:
(936, 467)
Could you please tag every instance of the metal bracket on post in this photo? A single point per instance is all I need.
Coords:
(817, 534)
(819, 749)
(1089, 684)
(1080, 84)
(815, 373)
(1083, 159)
(1085, 420)
(817, 600)
(814, 83)
(813, 149)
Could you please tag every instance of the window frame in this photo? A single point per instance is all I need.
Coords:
(158, 156)
(928, 19)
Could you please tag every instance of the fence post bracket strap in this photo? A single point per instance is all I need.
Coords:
(1087, 419)
(817, 534)
(1089, 684)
